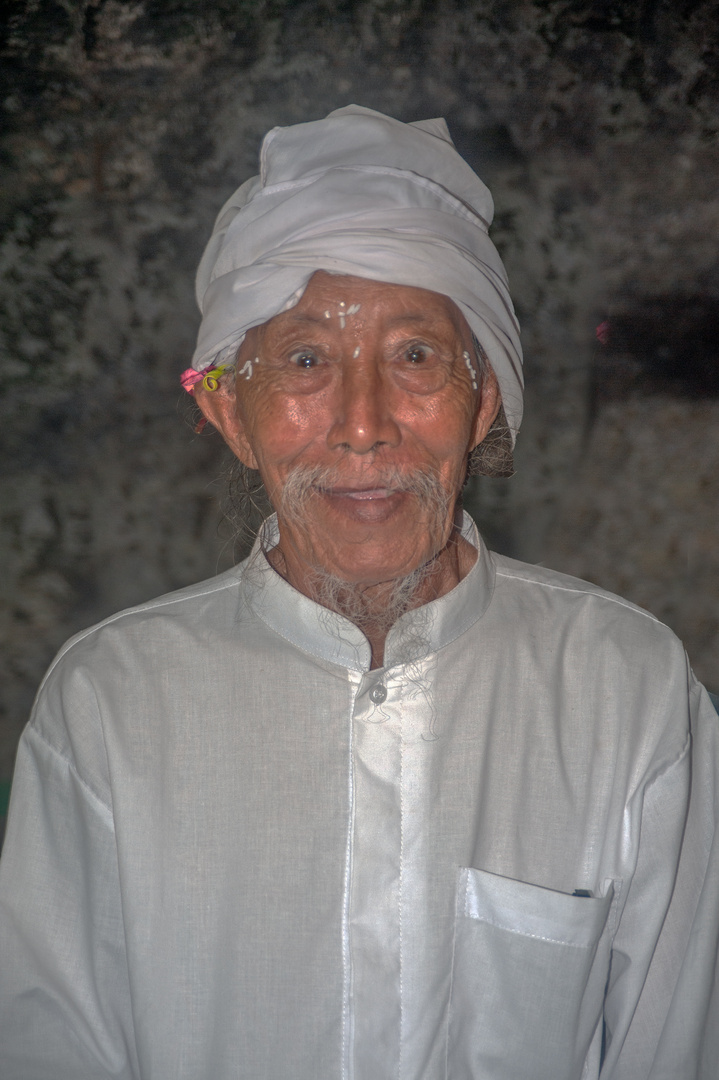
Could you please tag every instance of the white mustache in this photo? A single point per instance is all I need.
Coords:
(306, 480)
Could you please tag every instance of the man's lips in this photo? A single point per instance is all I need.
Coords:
(361, 494)
(369, 505)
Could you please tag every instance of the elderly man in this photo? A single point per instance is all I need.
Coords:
(377, 803)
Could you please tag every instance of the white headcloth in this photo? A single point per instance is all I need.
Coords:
(358, 193)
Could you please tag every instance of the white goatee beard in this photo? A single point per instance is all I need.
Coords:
(374, 608)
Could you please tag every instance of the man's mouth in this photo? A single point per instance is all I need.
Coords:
(369, 505)
(361, 494)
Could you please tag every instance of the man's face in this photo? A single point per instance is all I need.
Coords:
(370, 380)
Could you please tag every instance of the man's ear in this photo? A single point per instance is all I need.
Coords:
(490, 402)
(221, 408)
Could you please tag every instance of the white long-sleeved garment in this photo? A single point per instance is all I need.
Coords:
(234, 851)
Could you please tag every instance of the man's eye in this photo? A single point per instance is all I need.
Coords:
(304, 358)
(418, 354)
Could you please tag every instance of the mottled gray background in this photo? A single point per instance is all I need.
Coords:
(127, 124)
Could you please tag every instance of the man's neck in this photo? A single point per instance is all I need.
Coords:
(376, 607)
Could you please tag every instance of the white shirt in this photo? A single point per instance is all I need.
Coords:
(228, 857)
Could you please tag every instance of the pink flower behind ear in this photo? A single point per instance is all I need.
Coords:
(189, 378)
(602, 332)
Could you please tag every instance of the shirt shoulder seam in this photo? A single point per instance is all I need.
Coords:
(33, 731)
(668, 766)
(592, 591)
(150, 605)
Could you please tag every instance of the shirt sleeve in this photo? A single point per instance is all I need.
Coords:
(65, 1010)
(662, 1005)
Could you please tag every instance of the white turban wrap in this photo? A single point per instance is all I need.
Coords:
(357, 193)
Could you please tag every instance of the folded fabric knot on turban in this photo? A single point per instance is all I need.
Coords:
(357, 193)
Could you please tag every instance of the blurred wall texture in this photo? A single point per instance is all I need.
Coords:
(126, 125)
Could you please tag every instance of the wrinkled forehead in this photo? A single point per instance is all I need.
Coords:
(348, 302)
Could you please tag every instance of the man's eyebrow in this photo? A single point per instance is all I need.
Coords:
(302, 317)
(418, 317)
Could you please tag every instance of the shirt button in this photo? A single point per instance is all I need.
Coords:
(378, 694)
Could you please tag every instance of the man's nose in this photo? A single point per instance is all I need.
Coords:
(363, 410)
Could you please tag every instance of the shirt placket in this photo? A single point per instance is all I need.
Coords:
(374, 923)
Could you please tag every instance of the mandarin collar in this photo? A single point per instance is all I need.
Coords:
(331, 638)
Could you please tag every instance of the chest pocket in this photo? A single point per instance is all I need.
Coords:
(528, 975)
